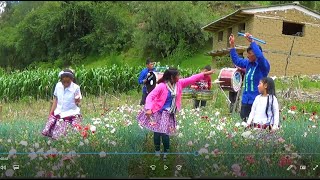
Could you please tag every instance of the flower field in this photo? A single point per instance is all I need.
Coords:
(209, 143)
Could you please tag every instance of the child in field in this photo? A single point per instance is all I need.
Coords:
(65, 108)
(204, 84)
(162, 104)
(265, 109)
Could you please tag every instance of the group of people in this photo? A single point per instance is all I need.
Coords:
(259, 108)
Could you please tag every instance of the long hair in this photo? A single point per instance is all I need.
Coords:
(168, 74)
(271, 91)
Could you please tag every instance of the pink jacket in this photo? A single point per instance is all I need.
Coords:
(156, 99)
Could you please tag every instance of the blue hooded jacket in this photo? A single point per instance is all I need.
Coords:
(255, 71)
(142, 76)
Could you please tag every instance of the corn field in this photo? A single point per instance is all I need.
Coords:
(40, 83)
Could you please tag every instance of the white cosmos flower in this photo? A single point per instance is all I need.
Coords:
(55, 168)
(86, 141)
(203, 150)
(32, 155)
(36, 145)
(24, 143)
(102, 154)
(237, 124)
(96, 122)
(81, 143)
(246, 134)
(9, 140)
(113, 130)
(206, 146)
(190, 143)
(215, 166)
(217, 113)
(113, 143)
(93, 128)
(219, 127)
(244, 124)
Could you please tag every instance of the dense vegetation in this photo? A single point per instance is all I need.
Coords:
(63, 33)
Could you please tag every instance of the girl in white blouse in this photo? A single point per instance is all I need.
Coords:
(265, 109)
(65, 109)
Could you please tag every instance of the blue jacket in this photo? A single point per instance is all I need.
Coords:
(142, 76)
(255, 71)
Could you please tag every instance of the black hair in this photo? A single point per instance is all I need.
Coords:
(168, 74)
(148, 61)
(69, 74)
(207, 67)
(250, 49)
(271, 91)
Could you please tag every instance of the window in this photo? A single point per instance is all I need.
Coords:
(220, 36)
(292, 29)
(242, 27)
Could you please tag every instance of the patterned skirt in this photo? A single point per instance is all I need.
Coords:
(57, 127)
(161, 122)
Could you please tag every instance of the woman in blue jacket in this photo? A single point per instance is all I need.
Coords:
(257, 67)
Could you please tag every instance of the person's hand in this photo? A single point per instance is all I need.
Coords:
(77, 101)
(148, 113)
(209, 72)
(231, 40)
(248, 37)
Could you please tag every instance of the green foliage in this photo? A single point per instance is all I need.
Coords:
(166, 28)
(40, 83)
(223, 62)
(71, 31)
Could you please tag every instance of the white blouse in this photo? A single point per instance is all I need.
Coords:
(258, 111)
(66, 105)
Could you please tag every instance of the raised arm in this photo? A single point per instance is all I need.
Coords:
(234, 55)
(262, 61)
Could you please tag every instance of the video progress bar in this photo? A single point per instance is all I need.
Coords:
(98, 153)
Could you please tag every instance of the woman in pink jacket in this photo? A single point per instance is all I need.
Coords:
(162, 104)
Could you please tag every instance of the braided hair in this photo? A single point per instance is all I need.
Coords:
(271, 93)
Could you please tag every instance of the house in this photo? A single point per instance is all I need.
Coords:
(290, 30)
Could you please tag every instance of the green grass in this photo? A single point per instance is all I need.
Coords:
(21, 122)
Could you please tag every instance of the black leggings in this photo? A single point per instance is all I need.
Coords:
(245, 111)
(165, 141)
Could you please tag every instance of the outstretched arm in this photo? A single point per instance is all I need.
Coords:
(193, 79)
(262, 61)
